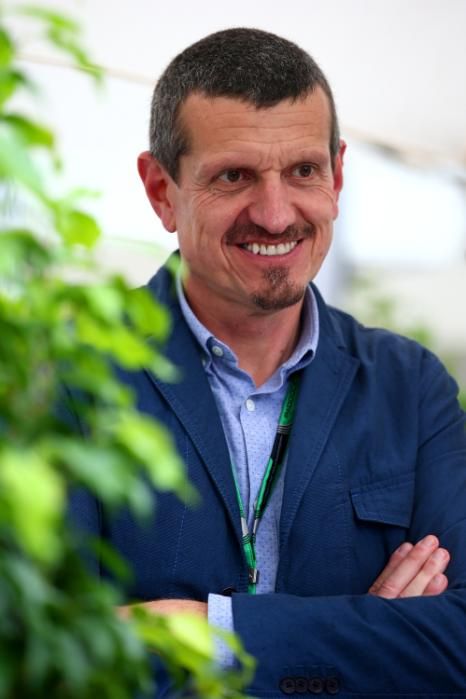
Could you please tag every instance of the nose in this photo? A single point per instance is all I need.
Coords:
(271, 208)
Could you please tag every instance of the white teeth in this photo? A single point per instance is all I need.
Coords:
(271, 250)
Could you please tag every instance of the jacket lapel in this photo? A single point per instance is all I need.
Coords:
(323, 388)
(192, 401)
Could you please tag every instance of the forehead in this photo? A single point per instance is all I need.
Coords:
(214, 124)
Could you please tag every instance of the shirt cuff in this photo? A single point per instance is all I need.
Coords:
(220, 614)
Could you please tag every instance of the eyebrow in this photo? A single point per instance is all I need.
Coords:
(239, 161)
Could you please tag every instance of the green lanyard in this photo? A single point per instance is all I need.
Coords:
(272, 471)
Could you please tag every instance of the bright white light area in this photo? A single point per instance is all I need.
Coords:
(401, 215)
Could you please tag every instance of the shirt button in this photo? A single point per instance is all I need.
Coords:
(250, 405)
(217, 351)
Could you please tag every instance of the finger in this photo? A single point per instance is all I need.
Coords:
(393, 563)
(434, 566)
(437, 585)
(408, 568)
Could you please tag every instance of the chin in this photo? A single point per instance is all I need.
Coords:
(278, 291)
(273, 301)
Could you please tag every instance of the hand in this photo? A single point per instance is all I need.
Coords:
(414, 571)
(167, 606)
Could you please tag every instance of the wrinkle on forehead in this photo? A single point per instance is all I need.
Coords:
(227, 132)
(207, 119)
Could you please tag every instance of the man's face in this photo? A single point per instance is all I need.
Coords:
(255, 201)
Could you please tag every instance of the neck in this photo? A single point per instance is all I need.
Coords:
(261, 342)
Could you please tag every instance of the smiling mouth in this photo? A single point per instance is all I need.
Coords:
(270, 250)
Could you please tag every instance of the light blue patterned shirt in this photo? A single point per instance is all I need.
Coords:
(249, 417)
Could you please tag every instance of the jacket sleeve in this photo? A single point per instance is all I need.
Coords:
(365, 645)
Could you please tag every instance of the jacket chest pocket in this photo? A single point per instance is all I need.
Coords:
(381, 517)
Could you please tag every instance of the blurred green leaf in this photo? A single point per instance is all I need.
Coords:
(163, 368)
(16, 163)
(51, 18)
(7, 671)
(70, 656)
(19, 248)
(65, 34)
(31, 132)
(193, 631)
(247, 663)
(34, 497)
(128, 349)
(105, 302)
(462, 399)
(76, 227)
(90, 372)
(27, 580)
(67, 43)
(77, 194)
(111, 559)
(148, 316)
(152, 445)
(6, 49)
(106, 472)
(10, 81)
(185, 644)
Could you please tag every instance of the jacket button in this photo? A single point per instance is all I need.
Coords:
(301, 685)
(316, 685)
(287, 685)
(228, 591)
(332, 685)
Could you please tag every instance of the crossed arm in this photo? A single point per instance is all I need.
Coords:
(412, 571)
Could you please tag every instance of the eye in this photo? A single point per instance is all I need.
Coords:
(232, 176)
(304, 170)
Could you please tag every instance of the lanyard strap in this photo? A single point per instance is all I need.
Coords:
(269, 479)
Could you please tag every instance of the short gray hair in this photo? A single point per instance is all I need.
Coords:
(248, 64)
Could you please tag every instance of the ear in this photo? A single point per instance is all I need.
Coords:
(157, 183)
(338, 174)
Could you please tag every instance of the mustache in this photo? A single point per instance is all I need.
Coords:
(241, 233)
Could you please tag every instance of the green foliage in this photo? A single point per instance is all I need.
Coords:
(59, 634)
(65, 34)
(186, 644)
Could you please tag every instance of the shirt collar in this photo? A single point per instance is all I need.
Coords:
(215, 348)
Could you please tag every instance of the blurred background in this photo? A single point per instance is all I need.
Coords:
(397, 70)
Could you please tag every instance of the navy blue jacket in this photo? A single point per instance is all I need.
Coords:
(377, 456)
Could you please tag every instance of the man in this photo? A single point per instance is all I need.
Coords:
(246, 165)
